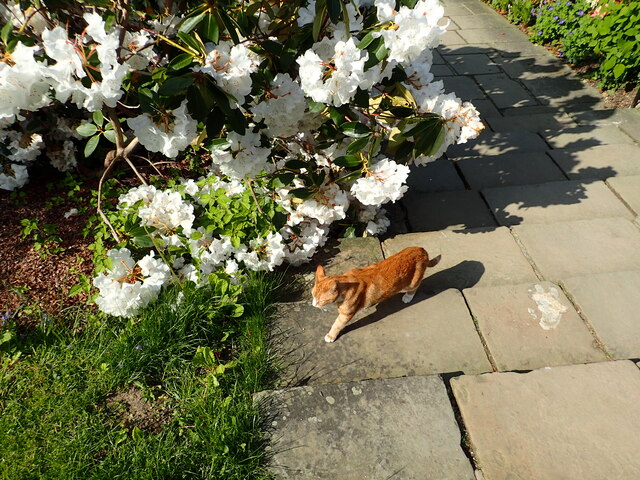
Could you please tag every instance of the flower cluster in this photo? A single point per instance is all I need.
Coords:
(298, 109)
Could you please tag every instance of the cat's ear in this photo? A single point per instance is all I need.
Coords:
(320, 272)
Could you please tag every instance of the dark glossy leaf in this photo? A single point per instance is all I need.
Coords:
(284, 179)
(377, 53)
(347, 161)
(422, 126)
(190, 23)
(361, 98)
(229, 25)
(355, 129)
(296, 164)
(144, 241)
(210, 28)
(357, 145)
(190, 41)
(401, 112)
(181, 61)
(215, 122)
(334, 8)
(318, 22)
(316, 107)
(175, 85)
(366, 40)
(302, 193)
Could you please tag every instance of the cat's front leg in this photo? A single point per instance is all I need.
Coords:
(337, 327)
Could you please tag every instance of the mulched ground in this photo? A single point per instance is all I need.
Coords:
(25, 277)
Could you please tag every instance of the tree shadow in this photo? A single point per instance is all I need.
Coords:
(541, 129)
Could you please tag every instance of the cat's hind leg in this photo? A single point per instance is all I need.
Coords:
(407, 297)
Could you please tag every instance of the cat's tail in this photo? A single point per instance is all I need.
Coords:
(434, 261)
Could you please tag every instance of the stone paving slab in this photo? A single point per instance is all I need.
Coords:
(469, 22)
(439, 71)
(432, 334)
(629, 190)
(554, 202)
(478, 256)
(428, 212)
(560, 90)
(464, 87)
(623, 117)
(530, 326)
(529, 67)
(490, 143)
(505, 92)
(530, 123)
(452, 38)
(437, 176)
(601, 161)
(578, 422)
(472, 64)
(586, 136)
(509, 169)
(496, 34)
(569, 249)
(611, 304)
(401, 428)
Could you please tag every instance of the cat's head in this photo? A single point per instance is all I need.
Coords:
(325, 289)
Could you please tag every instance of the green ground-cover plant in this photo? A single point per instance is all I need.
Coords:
(521, 12)
(191, 361)
(555, 19)
(615, 39)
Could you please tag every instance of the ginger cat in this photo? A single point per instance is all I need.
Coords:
(363, 287)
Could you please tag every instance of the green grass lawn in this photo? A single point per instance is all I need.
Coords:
(164, 395)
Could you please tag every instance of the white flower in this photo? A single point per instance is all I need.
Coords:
(231, 67)
(217, 253)
(384, 182)
(143, 192)
(283, 109)
(169, 138)
(166, 212)
(23, 86)
(139, 48)
(331, 72)
(415, 28)
(327, 205)
(129, 285)
(461, 122)
(375, 218)
(16, 177)
(242, 157)
(63, 158)
(262, 253)
(301, 246)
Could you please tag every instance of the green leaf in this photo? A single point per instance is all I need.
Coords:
(211, 29)
(229, 25)
(98, 118)
(318, 22)
(302, 193)
(175, 85)
(296, 164)
(75, 290)
(316, 107)
(181, 61)
(357, 145)
(110, 135)
(6, 30)
(87, 129)
(190, 23)
(366, 40)
(422, 126)
(334, 8)
(347, 161)
(144, 241)
(355, 129)
(91, 145)
(619, 70)
(377, 53)
(190, 42)
(430, 139)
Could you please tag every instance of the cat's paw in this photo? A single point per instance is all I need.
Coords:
(328, 339)
(406, 298)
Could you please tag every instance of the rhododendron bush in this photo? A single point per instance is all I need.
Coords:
(309, 113)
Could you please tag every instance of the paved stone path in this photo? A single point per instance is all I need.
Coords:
(515, 359)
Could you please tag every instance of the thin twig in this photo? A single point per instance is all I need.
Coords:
(100, 212)
(253, 194)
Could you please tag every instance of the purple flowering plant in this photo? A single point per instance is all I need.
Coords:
(556, 19)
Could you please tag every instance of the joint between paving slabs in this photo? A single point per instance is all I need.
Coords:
(624, 202)
(487, 352)
(465, 439)
(596, 339)
(527, 256)
(564, 174)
